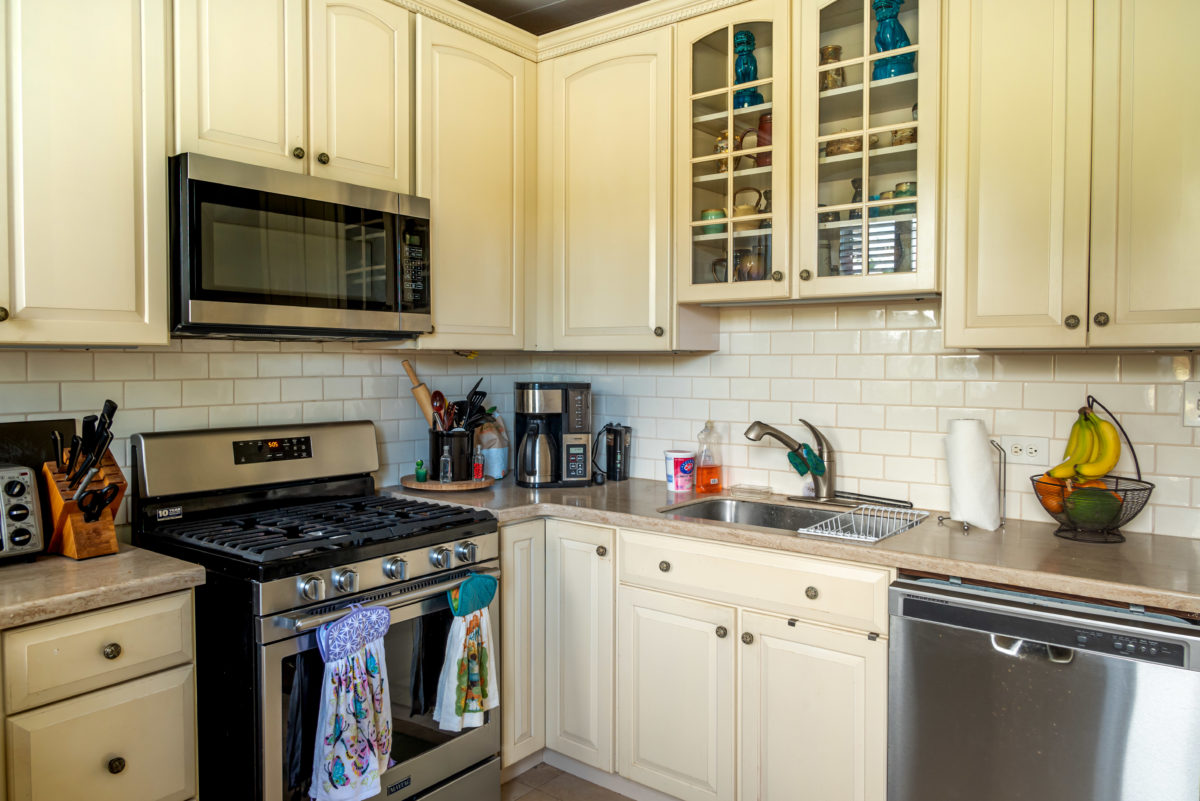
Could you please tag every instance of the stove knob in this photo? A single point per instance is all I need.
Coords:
(440, 557)
(312, 588)
(14, 488)
(395, 568)
(346, 580)
(467, 552)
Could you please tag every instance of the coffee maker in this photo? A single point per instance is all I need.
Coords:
(553, 433)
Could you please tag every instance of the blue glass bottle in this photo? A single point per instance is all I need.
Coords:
(745, 70)
(890, 35)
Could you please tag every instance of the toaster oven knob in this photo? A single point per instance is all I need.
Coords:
(395, 568)
(18, 512)
(346, 580)
(312, 588)
(20, 537)
(467, 552)
(14, 489)
(440, 557)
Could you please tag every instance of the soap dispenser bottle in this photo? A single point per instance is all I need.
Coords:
(708, 460)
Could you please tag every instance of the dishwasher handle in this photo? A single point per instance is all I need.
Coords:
(1012, 646)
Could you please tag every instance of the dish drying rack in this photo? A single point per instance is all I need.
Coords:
(869, 522)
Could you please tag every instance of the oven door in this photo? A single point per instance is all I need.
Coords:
(292, 674)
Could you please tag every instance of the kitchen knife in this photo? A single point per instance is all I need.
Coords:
(106, 418)
(57, 440)
(420, 392)
(91, 460)
(89, 432)
(76, 444)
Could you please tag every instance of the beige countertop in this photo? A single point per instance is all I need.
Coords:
(1148, 569)
(53, 586)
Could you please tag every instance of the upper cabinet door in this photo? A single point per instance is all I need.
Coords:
(733, 118)
(1017, 171)
(471, 126)
(239, 81)
(360, 66)
(867, 135)
(1145, 173)
(610, 195)
(85, 172)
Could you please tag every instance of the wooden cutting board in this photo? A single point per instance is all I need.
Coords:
(433, 485)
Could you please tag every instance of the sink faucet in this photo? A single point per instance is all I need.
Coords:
(823, 484)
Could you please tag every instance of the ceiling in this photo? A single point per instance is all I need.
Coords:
(544, 16)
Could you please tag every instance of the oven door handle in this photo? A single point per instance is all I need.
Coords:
(302, 624)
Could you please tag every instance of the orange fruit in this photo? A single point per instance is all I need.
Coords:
(1051, 491)
(1094, 483)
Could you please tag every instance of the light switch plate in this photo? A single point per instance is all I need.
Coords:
(1191, 403)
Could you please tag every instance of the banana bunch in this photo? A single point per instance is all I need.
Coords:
(1092, 450)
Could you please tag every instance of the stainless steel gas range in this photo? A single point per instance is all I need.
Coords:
(287, 523)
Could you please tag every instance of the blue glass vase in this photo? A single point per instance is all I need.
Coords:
(890, 35)
(745, 70)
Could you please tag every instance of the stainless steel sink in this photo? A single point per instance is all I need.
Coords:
(752, 513)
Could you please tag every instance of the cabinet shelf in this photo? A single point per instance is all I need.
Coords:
(721, 176)
(887, 94)
(825, 226)
(736, 234)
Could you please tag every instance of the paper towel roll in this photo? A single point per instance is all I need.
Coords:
(974, 498)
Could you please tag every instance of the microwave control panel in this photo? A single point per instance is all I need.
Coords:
(253, 451)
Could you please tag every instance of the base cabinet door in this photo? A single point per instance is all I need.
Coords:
(360, 68)
(83, 206)
(1145, 205)
(1016, 218)
(813, 712)
(675, 713)
(580, 582)
(522, 640)
(131, 742)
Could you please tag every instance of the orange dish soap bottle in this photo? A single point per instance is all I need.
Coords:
(708, 460)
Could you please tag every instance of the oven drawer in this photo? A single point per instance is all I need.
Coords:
(71, 655)
(821, 590)
(132, 742)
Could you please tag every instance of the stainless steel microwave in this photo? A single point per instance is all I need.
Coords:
(258, 253)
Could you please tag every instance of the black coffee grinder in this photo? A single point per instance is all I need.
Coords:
(617, 447)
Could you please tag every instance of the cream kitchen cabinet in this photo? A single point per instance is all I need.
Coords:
(83, 242)
(812, 711)
(474, 109)
(255, 83)
(580, 589)
(1067, 234)
(523, 631)
(675, 707)
(605, 202)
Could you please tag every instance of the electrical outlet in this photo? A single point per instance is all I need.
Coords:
(1191, 403)
(1026, 450)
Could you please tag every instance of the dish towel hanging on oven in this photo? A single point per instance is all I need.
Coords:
(468, 684)
(354, 724)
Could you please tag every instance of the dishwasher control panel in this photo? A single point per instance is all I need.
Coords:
(1144, 649)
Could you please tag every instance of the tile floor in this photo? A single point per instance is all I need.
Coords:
(546, 783)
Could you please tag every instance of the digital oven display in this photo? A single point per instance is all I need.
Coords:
(252, 451)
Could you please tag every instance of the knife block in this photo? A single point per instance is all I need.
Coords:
(71, 535)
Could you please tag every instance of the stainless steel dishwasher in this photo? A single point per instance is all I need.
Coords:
(999, 696)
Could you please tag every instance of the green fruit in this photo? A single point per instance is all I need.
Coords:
(1093, 509)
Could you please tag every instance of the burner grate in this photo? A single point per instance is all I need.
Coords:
(290, 531)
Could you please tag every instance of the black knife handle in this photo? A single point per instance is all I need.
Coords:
(57, 441)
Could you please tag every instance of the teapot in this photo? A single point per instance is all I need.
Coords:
(747, 209)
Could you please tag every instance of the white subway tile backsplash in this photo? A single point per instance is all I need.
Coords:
(232, 365)
(1148, 368)
(59, 366)
(88, 396)
(12, 367)
(860, 367)
(892, 392)
(256, 390)
(937, 393)
(793, 390)
(214, 392)
(860, 317)
(331, 364)
(996, 394)
(836, 342)
(815, 366)
(22, 398)
(276, 365)
(1086, 367)
(792, 342)
(180, 419)
(1023, 367)
(839, 390)
(912, 418)
(180, 365)
(152, 394)
(885, 341)
(346, 388)
(750, 343)
(231, 416)
(964, 366)
(916, 368)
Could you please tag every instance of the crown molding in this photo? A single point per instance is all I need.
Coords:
(608, 28)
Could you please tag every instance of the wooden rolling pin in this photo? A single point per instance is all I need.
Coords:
(420, 392)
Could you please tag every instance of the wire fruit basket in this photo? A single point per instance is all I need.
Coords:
(868, 522)
(1094, 510)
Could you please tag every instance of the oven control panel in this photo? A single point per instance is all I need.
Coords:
(20, 514)
(253, 451)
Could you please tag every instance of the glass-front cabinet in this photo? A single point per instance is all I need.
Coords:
(732, 121)
(866, 168)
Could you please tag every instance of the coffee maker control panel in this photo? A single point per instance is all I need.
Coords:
(579, 411)
(577, 459)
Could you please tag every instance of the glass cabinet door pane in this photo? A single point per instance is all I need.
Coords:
(710, 263)
(710, 62)
(891, 242)
(751, 258)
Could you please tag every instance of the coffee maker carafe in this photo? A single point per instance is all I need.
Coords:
(553, 432)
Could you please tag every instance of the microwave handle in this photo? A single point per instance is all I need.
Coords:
(301, 625)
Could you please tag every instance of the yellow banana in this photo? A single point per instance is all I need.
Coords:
(1074, 438)
(1095, 429)
(1109, 450)
(1083, 448)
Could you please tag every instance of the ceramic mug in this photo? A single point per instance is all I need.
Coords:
(712, 214)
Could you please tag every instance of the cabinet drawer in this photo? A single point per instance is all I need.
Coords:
(849, 595)
(70, 749)
(50, 661)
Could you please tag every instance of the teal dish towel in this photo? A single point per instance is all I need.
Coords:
(472, 595)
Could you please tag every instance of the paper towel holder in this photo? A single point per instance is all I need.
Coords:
(1002, 481)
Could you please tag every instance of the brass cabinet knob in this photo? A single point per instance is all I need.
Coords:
(805, 275)
(3, 314)
(722, 632)
(111, 651)
(1072, 321)
(298, 152)
(116, 765)
(777, 276)
(811, 593)
(1100, 319)
(747, 637)
(658, 331)
(664, 566)
(323, 158)
(601, 550)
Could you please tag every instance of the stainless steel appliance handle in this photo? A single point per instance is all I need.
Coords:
(1011, 646)
(303, 624)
